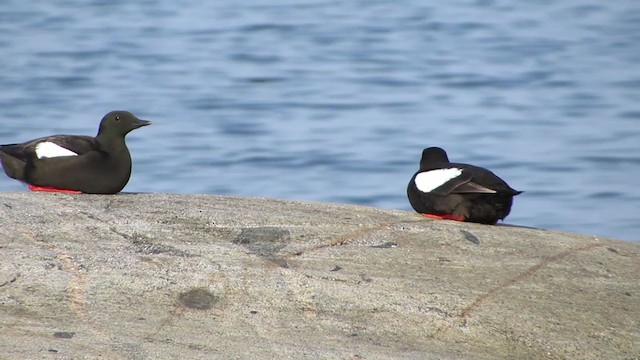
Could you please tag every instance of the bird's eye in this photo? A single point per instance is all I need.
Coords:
(117, 118)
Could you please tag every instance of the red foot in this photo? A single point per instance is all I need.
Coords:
(52, 189)
(445, 217)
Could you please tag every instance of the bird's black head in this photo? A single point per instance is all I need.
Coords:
(433, 155)
(120, 123)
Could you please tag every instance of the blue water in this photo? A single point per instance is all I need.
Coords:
(334, 100)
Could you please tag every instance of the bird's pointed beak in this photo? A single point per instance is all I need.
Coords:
(140, 123)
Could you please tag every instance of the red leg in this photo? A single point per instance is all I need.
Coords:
(445, 217)
(52, 189)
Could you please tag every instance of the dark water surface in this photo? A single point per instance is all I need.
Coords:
(334, 100)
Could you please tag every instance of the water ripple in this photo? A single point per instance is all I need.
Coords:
(334, 101)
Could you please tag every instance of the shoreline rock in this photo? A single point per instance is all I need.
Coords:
(147, 276)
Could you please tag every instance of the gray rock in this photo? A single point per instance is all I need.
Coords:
(150, 276)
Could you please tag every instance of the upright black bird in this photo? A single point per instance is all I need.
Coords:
(75, 163)
(462, 192)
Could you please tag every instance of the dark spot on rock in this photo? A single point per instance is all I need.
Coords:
(366, 278)
(613, 250)
(628, 293)
(50, 266)
(53, 350)
(261, 235)
(336, 268)
(441, 259)
(63, 335)
(470, 237)
(253, 312)
(432, 309)
(198, 298)
(386, 245)
(263, 241)
(281, 262)
(196, 347)
(11, 281)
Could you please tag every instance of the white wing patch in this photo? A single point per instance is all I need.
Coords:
(429, 180)
(48, 149)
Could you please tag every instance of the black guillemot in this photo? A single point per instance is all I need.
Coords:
(75, 163)
(462, 192)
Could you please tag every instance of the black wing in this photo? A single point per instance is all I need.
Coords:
(452, 185)
(482, 181)
(27, 151)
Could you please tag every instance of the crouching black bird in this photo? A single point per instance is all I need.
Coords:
(75, 163)
(462, 192)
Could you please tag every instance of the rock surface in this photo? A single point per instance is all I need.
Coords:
(151, 276)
